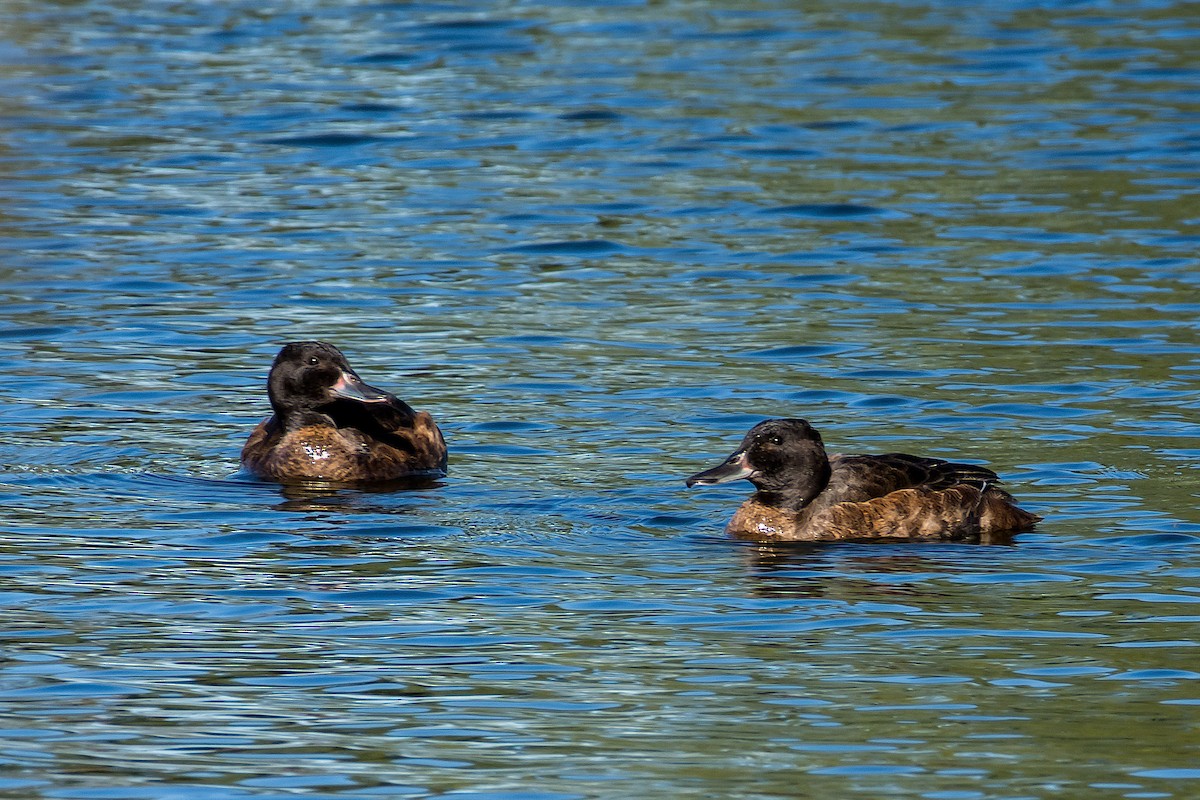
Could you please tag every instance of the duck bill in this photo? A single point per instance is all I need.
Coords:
(734, 468)
(351, 387)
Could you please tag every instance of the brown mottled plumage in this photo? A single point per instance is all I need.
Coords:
(805, 495)
(330, 426)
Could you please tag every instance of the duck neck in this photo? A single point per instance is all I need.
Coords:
(292, 419)
(797, 495)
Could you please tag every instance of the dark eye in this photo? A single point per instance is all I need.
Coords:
(775, 440)
(314, 360)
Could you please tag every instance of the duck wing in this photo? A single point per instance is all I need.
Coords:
(951, 501)
(856, 479)
(411, 439)
(378, 418)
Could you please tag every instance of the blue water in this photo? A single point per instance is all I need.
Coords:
(598, 242)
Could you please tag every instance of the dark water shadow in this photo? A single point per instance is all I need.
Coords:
(348, 497)
(808, 569)
(351, 498)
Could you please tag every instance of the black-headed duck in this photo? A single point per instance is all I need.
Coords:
(329, 425)
(805, 495)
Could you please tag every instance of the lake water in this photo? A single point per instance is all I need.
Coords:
(598, 242)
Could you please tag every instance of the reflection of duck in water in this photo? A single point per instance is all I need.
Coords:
(330, 426)
(805, 495)
(376, 497)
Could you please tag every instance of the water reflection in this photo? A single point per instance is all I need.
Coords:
(895, 568)
(354, 498)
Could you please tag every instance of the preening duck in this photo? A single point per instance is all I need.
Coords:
(329, 425)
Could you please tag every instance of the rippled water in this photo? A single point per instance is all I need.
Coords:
(598, 241)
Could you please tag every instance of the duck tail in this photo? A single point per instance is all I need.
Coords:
(998, 513)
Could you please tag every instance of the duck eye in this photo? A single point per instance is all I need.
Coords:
(775, 440)
(314, 360)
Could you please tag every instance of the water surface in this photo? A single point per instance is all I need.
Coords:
(599, 243)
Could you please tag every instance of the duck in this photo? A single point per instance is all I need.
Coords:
(804, 494)
(329, 425)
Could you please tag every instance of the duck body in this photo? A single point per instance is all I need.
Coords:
(328, 425)
(803, 494)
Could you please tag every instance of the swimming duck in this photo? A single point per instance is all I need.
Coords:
(805, 495)
(329, 425)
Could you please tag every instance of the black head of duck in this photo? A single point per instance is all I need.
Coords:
(804, 494)
(330, 425)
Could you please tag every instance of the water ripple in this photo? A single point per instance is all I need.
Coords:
(599, 242)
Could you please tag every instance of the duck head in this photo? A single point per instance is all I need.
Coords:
(784, 458)
(310, 375)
